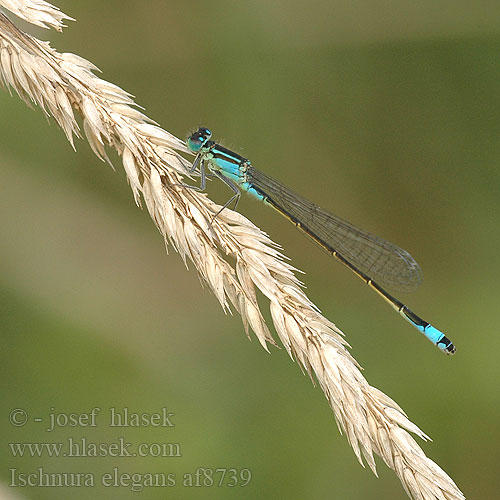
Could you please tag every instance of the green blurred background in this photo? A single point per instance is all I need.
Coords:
(386, 113)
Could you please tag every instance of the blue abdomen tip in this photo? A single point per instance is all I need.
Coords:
(440, 339)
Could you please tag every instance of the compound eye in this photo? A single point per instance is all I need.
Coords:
(195, 141)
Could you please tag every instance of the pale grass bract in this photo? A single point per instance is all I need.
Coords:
(63, 83)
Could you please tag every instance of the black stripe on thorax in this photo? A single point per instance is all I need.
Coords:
(220, 152)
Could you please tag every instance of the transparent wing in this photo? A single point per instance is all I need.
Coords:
(380, 260)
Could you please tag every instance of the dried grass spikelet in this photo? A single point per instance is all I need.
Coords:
(37, 12)
(62, 83)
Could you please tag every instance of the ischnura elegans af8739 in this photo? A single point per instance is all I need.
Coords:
(376, 261)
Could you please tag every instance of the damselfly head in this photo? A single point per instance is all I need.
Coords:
(197, 139)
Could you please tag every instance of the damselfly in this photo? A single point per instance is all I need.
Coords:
(376, 261)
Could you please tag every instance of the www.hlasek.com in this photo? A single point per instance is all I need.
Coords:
(201, 477)
(82, 447)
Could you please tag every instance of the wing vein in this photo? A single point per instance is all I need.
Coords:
(382, 261)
